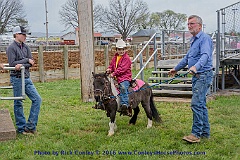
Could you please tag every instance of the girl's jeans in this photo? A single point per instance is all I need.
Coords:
(124, 92)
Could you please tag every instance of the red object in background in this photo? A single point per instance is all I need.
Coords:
(68, 42)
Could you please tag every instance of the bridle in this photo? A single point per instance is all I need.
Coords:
(106, 93)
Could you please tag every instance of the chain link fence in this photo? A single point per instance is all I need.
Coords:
(231, 19)
(229, 29)
(228, 45)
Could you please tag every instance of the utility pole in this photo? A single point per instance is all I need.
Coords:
(85, 23)
(46, 23)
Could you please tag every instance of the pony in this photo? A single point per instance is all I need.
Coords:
(106, 95)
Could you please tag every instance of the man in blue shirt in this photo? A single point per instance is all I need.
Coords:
(199, 61)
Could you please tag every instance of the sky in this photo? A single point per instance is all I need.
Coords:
(36, 13)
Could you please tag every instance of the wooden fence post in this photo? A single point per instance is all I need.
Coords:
(106, 56)
(40, 64)
(65, 52)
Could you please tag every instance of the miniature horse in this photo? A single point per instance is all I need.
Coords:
(106, 95)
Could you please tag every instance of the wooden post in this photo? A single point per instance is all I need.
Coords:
(85, 13)
(40, 63)
(106, 56)
(65, 52)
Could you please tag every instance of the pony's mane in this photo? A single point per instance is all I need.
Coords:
(100, 75)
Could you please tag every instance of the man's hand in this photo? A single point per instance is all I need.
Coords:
(31, 61)
(172, 72)
(1, 66)
(18, 67)
(193, 70)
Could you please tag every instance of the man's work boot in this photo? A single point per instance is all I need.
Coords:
(191, 139)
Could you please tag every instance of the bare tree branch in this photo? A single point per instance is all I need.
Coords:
(168, 20)
(11, 14)
(69, 14)
(124, 16)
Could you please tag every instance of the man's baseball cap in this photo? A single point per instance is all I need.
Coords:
(20, 30)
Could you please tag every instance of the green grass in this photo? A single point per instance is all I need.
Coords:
(70, 127)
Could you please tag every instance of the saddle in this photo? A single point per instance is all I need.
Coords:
(135, 84)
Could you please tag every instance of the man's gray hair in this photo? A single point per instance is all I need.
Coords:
(199, 19)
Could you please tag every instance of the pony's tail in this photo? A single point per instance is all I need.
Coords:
(155, 113)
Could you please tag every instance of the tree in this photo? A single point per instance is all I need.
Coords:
(11, 14)
(143, 22)
(168, 20)
(154, 20)
(124, 16)
(69, 14)
(21, 22)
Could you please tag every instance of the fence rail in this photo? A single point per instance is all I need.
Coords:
(63, 62)
(23, 96)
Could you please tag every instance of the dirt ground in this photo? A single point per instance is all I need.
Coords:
(226, 92)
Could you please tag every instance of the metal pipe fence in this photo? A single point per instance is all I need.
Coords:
(228, 39)
(23, 96)
(167, 44)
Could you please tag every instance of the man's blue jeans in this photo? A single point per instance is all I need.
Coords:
(200, 86)
(124, 92)
(33, 95)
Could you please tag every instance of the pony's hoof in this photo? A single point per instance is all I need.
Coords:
(110, 134)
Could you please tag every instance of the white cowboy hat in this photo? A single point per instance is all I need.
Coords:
(120, 44)
(20, 30)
